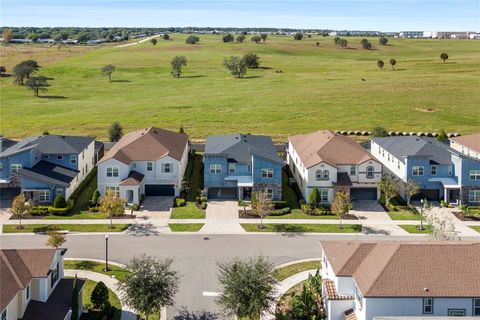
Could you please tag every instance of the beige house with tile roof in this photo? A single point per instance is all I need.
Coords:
(468, 144)
(149, 162)
(331, 162)
(366, 280)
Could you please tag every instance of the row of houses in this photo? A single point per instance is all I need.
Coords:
(152, 162)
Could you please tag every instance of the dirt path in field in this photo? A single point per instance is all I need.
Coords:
(138, 42)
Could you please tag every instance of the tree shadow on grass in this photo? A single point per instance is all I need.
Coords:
(84, 264)
(121, 81)
(251, 77)
(289, 230)
(184, 314)
(196, 76)
(45, 229)
(265, 68)
(53, 97)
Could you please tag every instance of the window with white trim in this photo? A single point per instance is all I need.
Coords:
(427, 305)
(149, 166)
(267, 173)
(417, 171)
(167, 167)
(476, 307)
(370, 172)
(474, 174)
(44, 195)
(73, 159)
(113, 189)
(326, 175)
(46, 156)
(323, 195)
(433, 170)
(269, 192)
(215, 168)
(457, 312)
(318, 175)
(353, 170)
(232, 168)
(4, 315)
(474, 196)
(59, 157)
(15, 167)
(112, 172)
(450, 170)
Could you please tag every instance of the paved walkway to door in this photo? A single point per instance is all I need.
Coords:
(222, 218)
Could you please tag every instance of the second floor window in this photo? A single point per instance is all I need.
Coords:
(215, 168)
(370, 172)
(476, 306)
(231, 168)
(427, 305)
(112, 172)
(474, 174)
(167, 168)
(249, 168)
(149, 166)
(353, 170)
(73, 159)
(1, 166)
(15, 167)
(417, 170)
(433, 170)
(59, 157)
(267, 173)
(322, 175)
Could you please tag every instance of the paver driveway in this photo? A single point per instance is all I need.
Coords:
(369, 210)
(222, 218)
(156, 208)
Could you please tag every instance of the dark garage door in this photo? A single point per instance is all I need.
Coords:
(7, 195)
(429, 194)
(222, 193)
(363, 193)
(159, 190)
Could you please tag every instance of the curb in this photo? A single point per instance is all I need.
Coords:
(297, 261)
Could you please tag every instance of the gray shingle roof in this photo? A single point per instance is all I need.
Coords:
(50, 144)
(240, 147)
(50, 173)
(6, 143)
(401, 147)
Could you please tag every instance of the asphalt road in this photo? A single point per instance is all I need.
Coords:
(194, 257)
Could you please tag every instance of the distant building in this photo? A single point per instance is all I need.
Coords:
(411, 34)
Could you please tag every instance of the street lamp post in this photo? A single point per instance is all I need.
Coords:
(106, 252)
(421, 214)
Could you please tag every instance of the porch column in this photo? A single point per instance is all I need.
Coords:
(239, 193)
(445, 192)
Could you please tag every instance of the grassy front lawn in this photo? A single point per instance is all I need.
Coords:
(190, 211)
(476, 228)
(78, 216)
(320, 228)
(411, 228)
(299, 214)
(285, 272)
(42, 228)
(118, 272)
(185, 227)
(114, 302)
(404, 213)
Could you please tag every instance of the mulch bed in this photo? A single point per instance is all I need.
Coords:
(463, 217)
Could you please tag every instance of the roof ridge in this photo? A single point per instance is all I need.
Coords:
(12, 270)
(398, 246)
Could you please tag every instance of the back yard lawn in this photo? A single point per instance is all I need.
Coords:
(189, 211)
(302, 228)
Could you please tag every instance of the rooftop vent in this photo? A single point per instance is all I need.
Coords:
(426, 289)
(155, 131)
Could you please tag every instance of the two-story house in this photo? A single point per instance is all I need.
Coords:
(32, 285)
(149, 162)
(370, 280)
(331, 162)
(238, 164)
(468, 145)
(442, 172)
(48, 165)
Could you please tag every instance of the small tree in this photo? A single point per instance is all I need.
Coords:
(256, 39)
(366, 44)
(108, 70)
(383, 41)
(343, 43)
(379, 132)
(153, 41)
(341, 204)
(442, 136)
(59, 201)
(251, 60)
(100, 298)
(7, 36)
(95, 198)
(150, 285)
(192, 39)
(37, 85)
(380, 64)
(248, 287)
(262, 205)
(115, 132)
(177, 63)
(56, 239)
(298, 36)
(75, 290)
(444, 57)
(236, 66)
(24, 70)
(336, 40)
(228, 38)
(166, 36)
(318, 44)
(240, 38)
(181, 129)
(264, 36)
(411, 188)
(314, 198)
(393, 62)
(20, 207)
(389, 186)
(112, 205)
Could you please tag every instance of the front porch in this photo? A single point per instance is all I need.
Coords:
(451, 189)
(244, 186)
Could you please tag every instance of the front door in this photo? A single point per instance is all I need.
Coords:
(453, 195)
(247, 193)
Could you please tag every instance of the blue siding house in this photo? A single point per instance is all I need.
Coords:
(48, 165)
(442, 172)
(237, 165)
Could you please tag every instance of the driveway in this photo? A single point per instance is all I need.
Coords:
(156, 208)
(369, 210)
(222, 218)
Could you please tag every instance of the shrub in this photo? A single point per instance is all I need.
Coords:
(280, 212)
(179, 202)
(95, 197)
(379, 132)
(99, 297)
(280, 204)
(58, 211)
(228, 38)
(192, 39)
(59, 201)
(94, 209)
(39, 211)
(204, 205)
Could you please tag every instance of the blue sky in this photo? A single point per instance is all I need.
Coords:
(382, 15)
